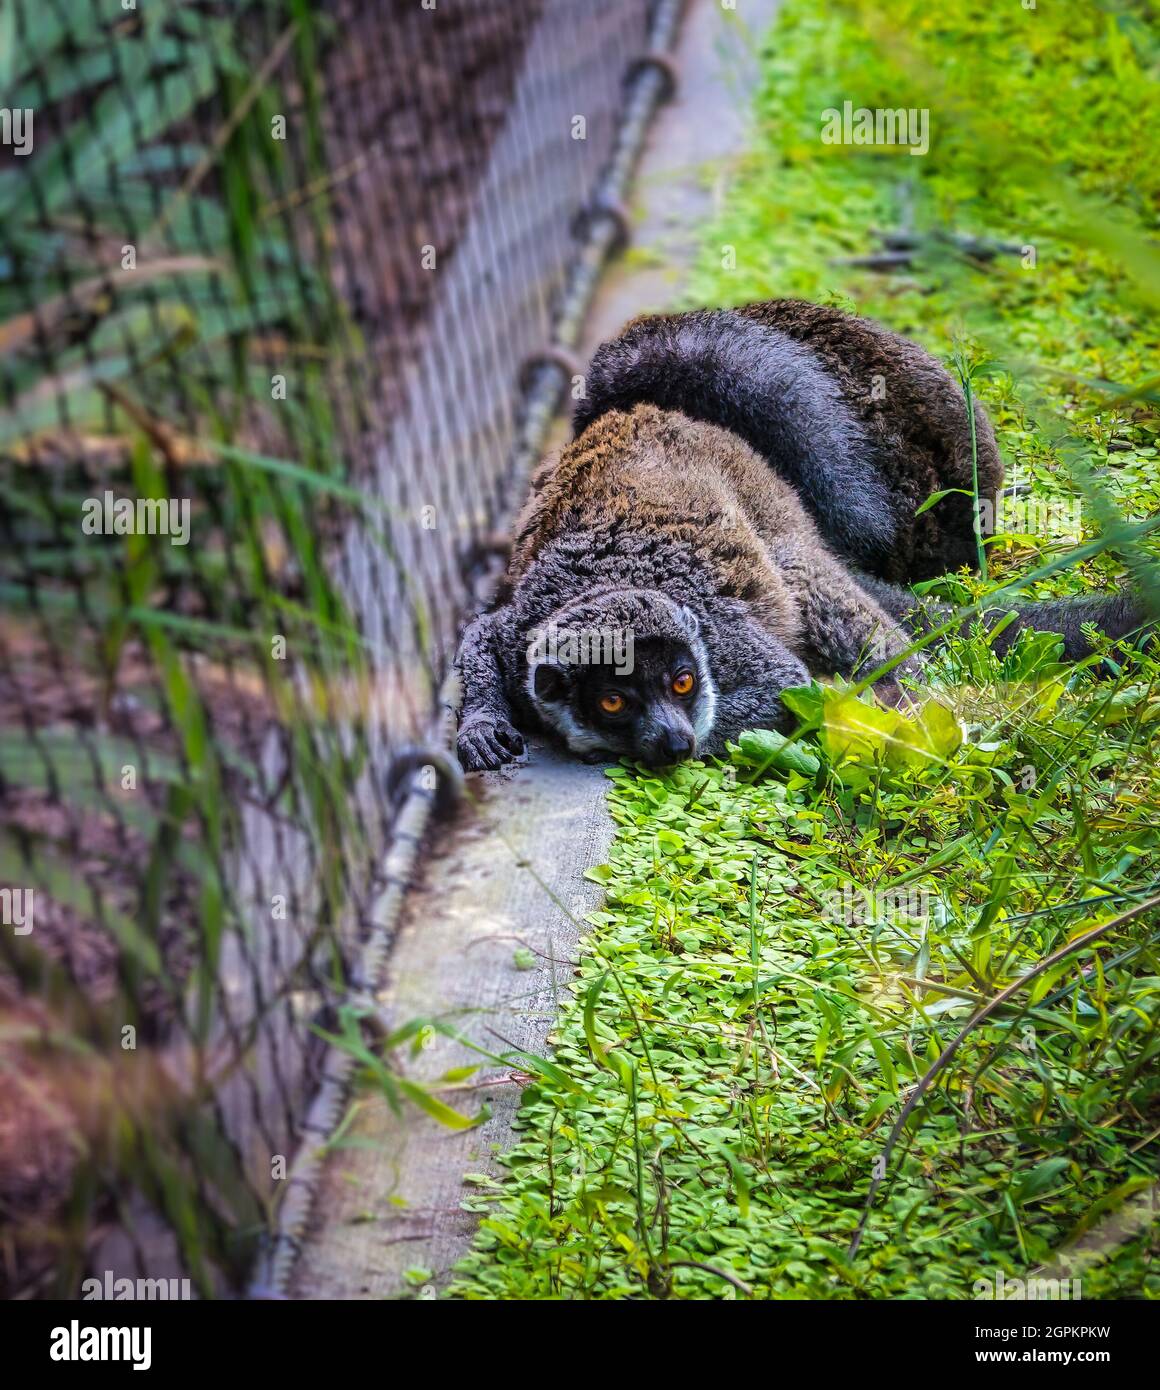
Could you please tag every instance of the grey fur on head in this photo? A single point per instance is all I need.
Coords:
(606, 635)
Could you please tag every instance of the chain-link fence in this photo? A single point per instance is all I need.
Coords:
(270, 271)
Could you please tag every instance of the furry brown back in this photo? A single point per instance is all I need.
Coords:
(863, 423)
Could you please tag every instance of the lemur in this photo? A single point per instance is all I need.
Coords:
(739, 503)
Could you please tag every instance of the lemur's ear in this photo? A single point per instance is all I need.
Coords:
(690, 622)
(549, 682)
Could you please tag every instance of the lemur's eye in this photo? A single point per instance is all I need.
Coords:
(612, 703)
(683, 684)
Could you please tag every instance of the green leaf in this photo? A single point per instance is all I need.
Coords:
(938, 497)
(766, 748)
(1039, 1180)
(439, 1110)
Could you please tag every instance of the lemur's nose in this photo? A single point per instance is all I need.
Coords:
(676, 745)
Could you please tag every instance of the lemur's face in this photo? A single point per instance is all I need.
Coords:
(657, 712)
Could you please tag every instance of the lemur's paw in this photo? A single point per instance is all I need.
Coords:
(486, 743)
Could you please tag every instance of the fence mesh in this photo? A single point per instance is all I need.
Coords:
(269, 270)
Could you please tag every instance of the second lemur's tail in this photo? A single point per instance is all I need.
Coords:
(717, 366)
(1116, 615)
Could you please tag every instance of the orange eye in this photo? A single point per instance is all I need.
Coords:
(684, 683)
(612, 703)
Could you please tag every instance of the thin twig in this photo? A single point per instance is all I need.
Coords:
(712, 1269)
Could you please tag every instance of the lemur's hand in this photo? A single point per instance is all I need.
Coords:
(487, 741)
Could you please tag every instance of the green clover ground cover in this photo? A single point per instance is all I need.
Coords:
(790, 939)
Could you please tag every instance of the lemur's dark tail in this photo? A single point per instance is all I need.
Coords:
(1117, 615)
(720, 367)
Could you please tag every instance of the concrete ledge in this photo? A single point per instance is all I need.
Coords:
(389, 1196)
